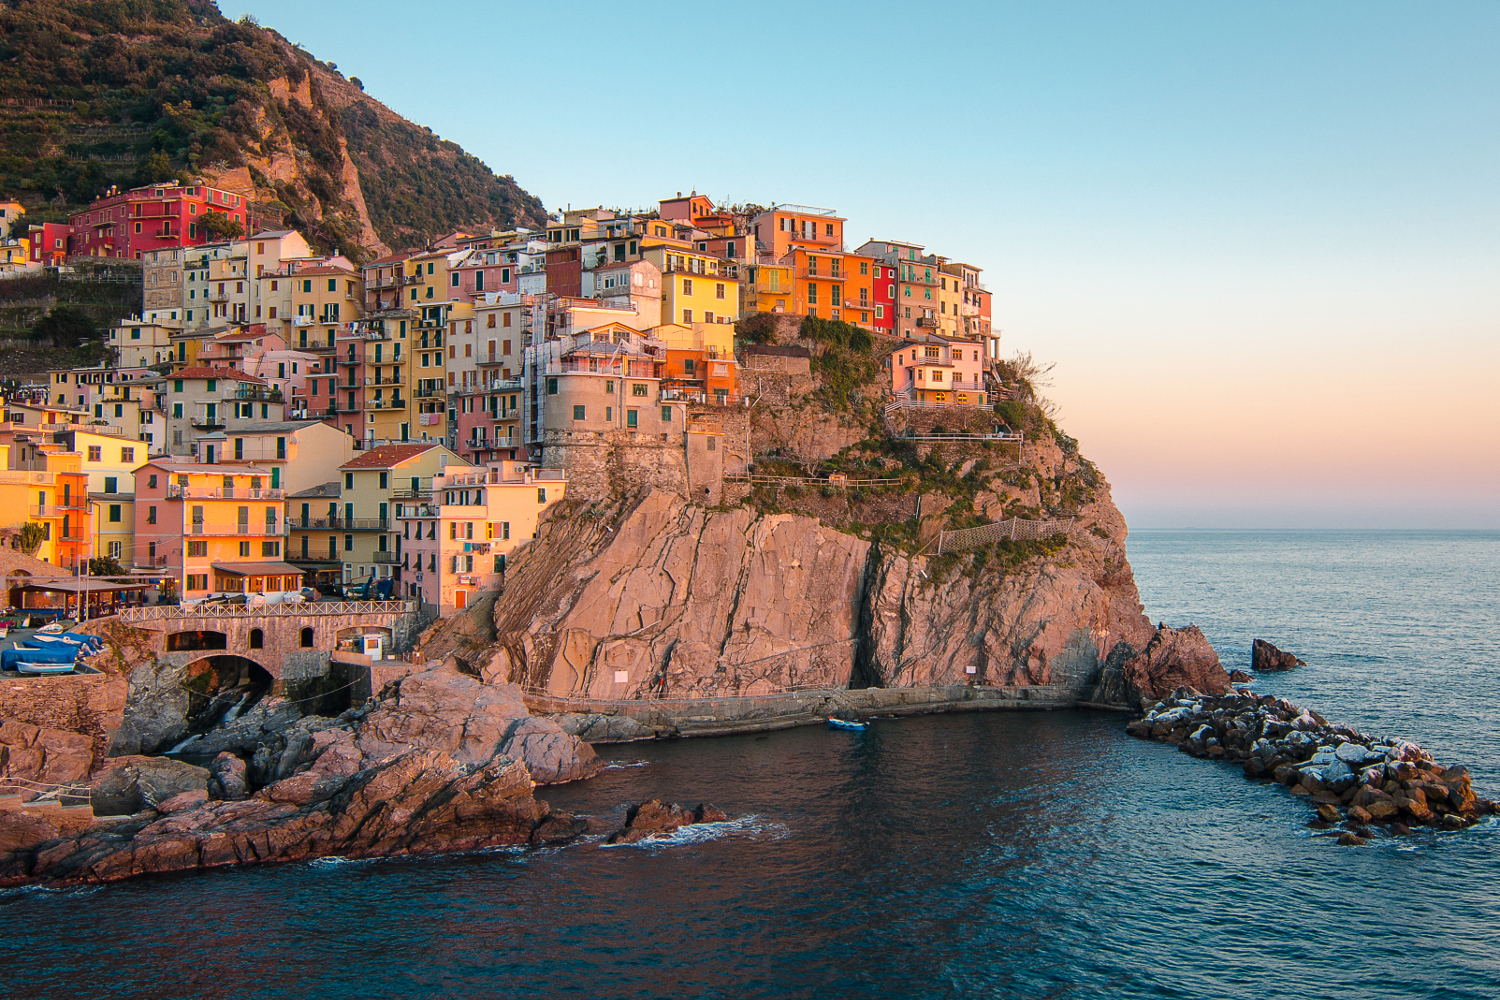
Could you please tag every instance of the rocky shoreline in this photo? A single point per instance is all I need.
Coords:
(1357, 783)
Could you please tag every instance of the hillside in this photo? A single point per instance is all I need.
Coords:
(102, 92)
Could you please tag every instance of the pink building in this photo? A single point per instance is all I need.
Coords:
(939, 371)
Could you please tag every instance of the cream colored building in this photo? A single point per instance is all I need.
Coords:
(364, 531)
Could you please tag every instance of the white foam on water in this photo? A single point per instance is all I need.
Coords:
(751, 827)
(616, 765)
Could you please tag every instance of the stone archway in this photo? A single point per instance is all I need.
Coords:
(221, 687)
(194, 640)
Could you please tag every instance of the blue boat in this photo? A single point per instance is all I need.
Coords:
(844, 724)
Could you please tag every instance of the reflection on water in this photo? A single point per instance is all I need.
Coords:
(984, 855)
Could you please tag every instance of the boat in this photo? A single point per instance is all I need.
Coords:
(52, 628)
(28, 667)
(845, 724)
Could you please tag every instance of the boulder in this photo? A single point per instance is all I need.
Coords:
(135, 783)
(1266, 658)
(228, 778)
(655, 816)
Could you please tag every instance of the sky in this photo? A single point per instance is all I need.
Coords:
(1260, 241)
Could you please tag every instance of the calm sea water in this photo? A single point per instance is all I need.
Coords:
(1022, 855)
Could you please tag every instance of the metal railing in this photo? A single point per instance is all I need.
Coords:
(386, 556)
(247, 528)
(175, 612)
(340, 523)
(176, 492)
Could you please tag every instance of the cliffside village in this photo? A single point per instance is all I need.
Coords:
(275, 418)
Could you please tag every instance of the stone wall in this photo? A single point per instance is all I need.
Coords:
(56, 729)
(943, 420)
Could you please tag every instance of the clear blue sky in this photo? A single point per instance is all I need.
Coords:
(1261, 240)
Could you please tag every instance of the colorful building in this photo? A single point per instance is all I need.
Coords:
(153, 217)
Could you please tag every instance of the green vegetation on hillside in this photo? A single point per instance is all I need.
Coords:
(95, 93)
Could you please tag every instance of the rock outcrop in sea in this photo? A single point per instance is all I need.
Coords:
(1351, 779)
(443, 764)
(1266, 658)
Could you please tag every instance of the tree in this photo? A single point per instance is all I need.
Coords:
(65, 326)
(105, 566)
(155, 167)
(221, 227)
(30, 537)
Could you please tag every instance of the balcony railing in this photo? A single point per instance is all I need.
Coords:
(386, 557)
(248, 529)
(339, 523)
(176, 492)
(386, 404)
(927, 322)
(256, 393)
(207, 423)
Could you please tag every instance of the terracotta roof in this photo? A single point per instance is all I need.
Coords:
(388, 455)
(303, 272)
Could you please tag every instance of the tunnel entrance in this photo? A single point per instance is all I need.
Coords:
(193, 641)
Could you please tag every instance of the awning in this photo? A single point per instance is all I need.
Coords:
(256, 568)
(78, 586)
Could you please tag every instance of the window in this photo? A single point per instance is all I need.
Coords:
(348, 543)
(307, 638)
(177, 385)
(197, 550)
(197, 581)
(827, 229)
(127, 454)
(245, 549)
(687, 286)
(348, 480)
(578, 411)
(541, 494)
(638, 388)
(864, 267)
(505, 530)
(114, 512)
(257, 639)
(96, 453)
(270, 549)
(666, 414)
(630, 418)
(552, 387)
(150, 515)
(812, 293)
(719, 290)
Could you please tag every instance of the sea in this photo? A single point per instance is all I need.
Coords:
(1000, 855)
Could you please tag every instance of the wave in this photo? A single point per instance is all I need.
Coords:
(751, 827)
(618, 765)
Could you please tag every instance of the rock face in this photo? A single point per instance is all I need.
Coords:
(662, 598)
(1266, 658)
(1344, 774)
(1173, 658)
(446, 764)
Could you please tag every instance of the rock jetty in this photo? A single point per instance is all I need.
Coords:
(1266, 658)
(1356, 782)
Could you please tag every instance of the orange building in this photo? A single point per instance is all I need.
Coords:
(780, 228)
(831, 284)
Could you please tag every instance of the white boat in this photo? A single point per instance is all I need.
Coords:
(26, 667)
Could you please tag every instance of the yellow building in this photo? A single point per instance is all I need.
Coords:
(769, 287)
(364, 529)
(140, 343)
(307, 302)
(112, 523)
(696, 288)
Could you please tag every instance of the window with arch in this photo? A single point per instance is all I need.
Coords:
(307, 638)
(257, 639)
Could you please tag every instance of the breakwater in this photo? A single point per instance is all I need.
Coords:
(1358, 782)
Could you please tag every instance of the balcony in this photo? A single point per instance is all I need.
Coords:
(248, 529)
(339, 523)
(386, 404)
(927, 322)
(176, 492)
(256, 393)
(207, 423)
(429, 391)
(419, 510)
(386, 557)
(302, 321)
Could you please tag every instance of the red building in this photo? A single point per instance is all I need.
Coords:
(154, 217)
(49, 243)
(565, 271)
(883, 294)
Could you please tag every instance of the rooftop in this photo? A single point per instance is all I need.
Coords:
(389, 455)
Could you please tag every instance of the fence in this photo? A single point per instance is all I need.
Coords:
(810, 481)
(164, 612)
(1015, 530)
